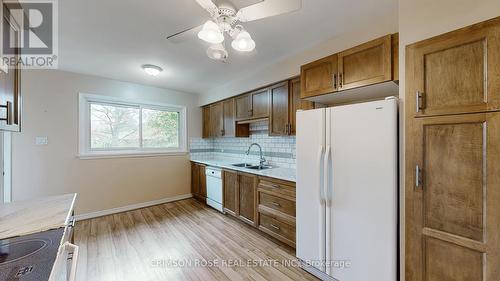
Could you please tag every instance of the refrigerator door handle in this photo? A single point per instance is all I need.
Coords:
(326, 176)
(320, 175)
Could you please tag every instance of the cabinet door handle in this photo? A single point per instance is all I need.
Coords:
(418, 177)
(8, 108)
(335, 81)
(419, 96)
(275, 227)
(341, 80)
(276, 204)
(286, 129)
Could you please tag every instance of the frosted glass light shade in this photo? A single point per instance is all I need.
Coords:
(211, 33)
(217, 52)
(243, 42)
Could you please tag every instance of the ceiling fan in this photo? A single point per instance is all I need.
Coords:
(226, 18)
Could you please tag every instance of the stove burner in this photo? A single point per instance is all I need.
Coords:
(11, 252)
(29, 257)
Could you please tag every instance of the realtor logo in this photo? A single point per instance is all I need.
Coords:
(29, 33)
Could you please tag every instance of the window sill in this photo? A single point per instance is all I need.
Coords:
(142, 154)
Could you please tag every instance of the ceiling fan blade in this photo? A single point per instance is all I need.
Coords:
(268, 8)
(184, 35)
(208, 5)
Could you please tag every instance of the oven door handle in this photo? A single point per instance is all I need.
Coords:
(73, 250)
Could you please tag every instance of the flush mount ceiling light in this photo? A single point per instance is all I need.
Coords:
(217, 52)
(225, 19)
(152, 70)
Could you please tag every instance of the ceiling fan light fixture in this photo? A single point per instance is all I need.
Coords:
(217, 52)
(211, 33)
(152, 70)
(243, 42)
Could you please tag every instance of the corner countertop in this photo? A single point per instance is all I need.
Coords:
(281, 173)
(36, 215)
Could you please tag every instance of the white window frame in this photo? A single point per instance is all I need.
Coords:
(84, 149)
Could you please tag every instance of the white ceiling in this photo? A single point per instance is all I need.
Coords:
(113, 38)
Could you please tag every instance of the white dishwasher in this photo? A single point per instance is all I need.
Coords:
(214, 188)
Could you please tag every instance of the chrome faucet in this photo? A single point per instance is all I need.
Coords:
(262, 159)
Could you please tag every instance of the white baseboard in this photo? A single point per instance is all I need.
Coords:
(131, 207)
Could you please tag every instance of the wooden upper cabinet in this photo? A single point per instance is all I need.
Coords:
(319, 77)
(260, 103)
(206, 122)
(296, 103)
(457, 72)
(216, 119)
(228, 109)
(452, 221)
(278, 121)
(366, 64)
(243, 107)
(248, 198)
(231, 192)
(253, 105)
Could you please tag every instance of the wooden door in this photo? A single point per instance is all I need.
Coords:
(319, 77)
(10, 84)
(216, 119)
(366, 64)
(206, 122)
(231, 194)
(296, 103)
(243, 107)
(203, 182)
(248, 198)
(229, 129)
(278, 121)
(453, 198)
(195, 179)
(457, 72)
(260, 104)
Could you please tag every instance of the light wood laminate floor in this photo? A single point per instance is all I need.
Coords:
(146, 244)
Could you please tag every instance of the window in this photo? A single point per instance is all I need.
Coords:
(115, 127)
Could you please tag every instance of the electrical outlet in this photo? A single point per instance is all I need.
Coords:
(41, 140)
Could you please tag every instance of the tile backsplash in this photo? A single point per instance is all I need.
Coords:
(278, 151)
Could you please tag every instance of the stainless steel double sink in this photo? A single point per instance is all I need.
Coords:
(252, 166)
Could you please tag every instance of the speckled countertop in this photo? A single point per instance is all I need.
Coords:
(287, 174)
(37, 215)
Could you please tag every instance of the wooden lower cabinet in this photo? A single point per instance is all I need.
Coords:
(265, 203)
(198, 181)
(453, 198)
(277, 209)
(231, 192)
(240, 195)
(247, 198)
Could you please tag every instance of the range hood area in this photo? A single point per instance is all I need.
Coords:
(371, 92)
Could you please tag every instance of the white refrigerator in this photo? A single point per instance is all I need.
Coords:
(347, 191)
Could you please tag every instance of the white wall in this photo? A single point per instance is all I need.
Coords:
(50, 109)
(422, 19)
(291, 66)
